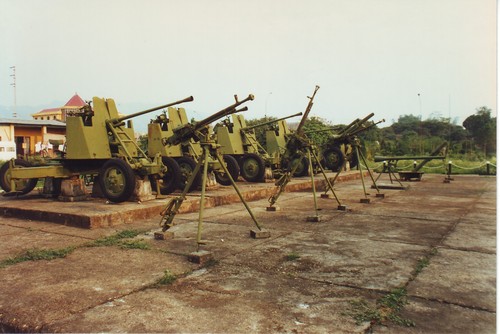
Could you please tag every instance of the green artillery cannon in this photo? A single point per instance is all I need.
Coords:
(340, 147)
(390, 163)
(185, 154)
(199, 132)
(175, 127)
(98, 142)
(300, 153)
(239, 141)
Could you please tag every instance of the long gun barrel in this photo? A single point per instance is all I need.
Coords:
(364, 128)
(378, 158)
(269, 122)
(187, 131)
(121, 119)
(355, 124)
(308, 110)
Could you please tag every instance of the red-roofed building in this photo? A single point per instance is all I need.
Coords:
(73, 104)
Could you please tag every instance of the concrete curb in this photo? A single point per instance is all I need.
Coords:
(95, 213)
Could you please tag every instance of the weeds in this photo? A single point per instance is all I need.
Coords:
(424, 262)
(387, 309)
(117, 239)
(37, 255)
(292, 256)
(168, 278)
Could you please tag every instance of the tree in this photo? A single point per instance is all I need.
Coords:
(482, 128)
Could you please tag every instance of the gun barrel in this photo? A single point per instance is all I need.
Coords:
(354, 125)
(308, 110)
(224, 112)
(361, 129)
(188, 131)
(378, 158)
(269, 122)
(121, 119)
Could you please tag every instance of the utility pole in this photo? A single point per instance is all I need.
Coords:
(13, 84)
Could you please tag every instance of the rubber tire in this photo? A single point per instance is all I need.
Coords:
(257, 167)
(29, 184)
(334, 158)
(128, 180)
(172, 177)
(302, 170)
(353, 160)
(186, 168)
(234, 170)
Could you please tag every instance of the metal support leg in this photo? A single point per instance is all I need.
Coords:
(202, 199)
(366, 199)
(173, 206)
(219, 158)
(311, 171)
(329, 185)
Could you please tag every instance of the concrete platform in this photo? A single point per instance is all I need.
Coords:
(96, 213)
(436, 241)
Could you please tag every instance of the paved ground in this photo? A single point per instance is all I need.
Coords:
(424, 257)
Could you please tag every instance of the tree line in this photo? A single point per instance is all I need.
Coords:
(474, 139)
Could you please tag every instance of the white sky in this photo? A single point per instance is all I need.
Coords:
(366, 55)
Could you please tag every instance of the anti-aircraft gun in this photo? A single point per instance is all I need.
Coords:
(199, 132)
(300, 154)
(98, 142)
(185, 154)
(340, 147)
(239, 140)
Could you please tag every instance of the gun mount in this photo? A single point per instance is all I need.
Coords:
(210, 160)
(299, 159)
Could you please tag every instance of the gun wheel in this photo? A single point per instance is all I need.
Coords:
(253, 168)
(170, 180)
(334, 158)
(117, 180)
(233, 168)
(23, 186)
(302, 168)
(187, 166)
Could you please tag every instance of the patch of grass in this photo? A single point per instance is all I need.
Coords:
(387, 309)
(168, 278)
(37, 255)
(134, 244)
(292, 256)
(115, 239)
(424, 262)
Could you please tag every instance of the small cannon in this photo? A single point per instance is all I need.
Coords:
(390, 163)
(340, 146)
(299, 159)
(198, 131)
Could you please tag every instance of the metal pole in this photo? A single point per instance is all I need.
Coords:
(312, 182)
(202, 199)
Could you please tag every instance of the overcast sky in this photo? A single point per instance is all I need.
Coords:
(366, 55)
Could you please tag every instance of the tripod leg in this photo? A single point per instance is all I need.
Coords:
(173, 206)
(312, 184)
(219, 158)
(329, 185)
